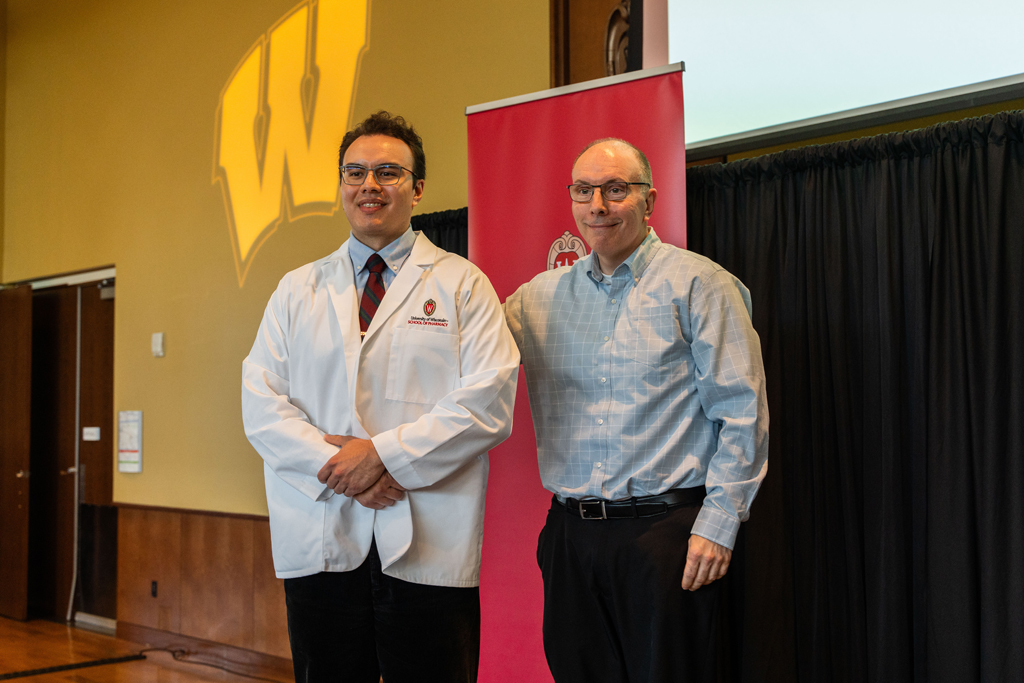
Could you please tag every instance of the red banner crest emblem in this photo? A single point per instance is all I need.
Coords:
(566, 250)
(429, 307)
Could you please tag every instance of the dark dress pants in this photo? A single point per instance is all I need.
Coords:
(614, 607)
(360, 625)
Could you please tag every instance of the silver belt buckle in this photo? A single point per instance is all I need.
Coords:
(604, 512)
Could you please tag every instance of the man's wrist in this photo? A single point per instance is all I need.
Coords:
(395, 460)
(716, 526)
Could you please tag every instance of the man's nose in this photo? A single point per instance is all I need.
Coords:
(598, 203)
(370, 183)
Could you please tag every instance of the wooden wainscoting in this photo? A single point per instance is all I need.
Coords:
(214, 579)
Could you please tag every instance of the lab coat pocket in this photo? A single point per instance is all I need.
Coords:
(423, 366)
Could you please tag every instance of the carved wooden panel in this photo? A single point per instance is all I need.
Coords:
(217, 579)
(270, 618)
(580, 35)
(148, 550)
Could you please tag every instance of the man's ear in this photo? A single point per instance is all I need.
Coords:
(417, 192)
(652, 194)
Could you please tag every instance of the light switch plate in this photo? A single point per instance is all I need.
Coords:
(90, 433)
(158, 345)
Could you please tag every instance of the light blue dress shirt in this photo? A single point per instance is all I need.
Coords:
(646, 380)
(394, 256)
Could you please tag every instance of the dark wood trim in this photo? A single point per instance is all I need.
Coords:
(559, 43)
(635, 58)
(57, 275)
(235, 658)
(97, 560)
(189, 511)
(707, 162)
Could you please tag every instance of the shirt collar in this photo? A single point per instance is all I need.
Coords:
(636, 262)
(394, 254)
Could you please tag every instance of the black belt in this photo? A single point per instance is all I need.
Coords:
(631, 508)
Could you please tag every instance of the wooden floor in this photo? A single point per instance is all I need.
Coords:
(43, 644)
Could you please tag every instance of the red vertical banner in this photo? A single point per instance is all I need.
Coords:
(521, 153)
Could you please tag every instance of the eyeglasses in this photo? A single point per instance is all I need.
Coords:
(614, 191)
(385, 174)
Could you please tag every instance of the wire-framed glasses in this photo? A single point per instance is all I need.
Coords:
(613, 191)
(385, 174)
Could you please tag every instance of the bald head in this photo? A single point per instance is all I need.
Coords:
(619, 143)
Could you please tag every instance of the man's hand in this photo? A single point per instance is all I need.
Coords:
(354, 468)
(385, 493)
(706, 561)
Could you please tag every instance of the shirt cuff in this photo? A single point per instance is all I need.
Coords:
(396, 460)
(314, 489)
(717, 526)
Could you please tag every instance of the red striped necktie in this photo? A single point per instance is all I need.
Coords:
(373, 292)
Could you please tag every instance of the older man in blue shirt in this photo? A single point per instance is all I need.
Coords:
(647, 391)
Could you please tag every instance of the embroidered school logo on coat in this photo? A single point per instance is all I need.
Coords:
(428, 307)
(565, 251)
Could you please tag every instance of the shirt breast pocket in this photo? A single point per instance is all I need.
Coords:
(423, 366)
(656, 339)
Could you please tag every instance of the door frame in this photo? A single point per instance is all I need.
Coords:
(71, 279)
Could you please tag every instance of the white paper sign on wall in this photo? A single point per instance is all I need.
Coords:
(129, 441)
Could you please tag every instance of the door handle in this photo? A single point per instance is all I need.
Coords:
(70, 470)
(22, 474)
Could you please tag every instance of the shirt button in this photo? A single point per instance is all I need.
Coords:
(613, 301)
(606, 338)
(603, 380)
(600, 421)
(597, 465)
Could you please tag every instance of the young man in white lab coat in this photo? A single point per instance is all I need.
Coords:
(373, 392)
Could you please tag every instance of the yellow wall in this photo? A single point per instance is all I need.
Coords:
(110, 130)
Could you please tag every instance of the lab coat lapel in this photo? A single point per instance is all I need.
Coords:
(340, 283)
(393, 525)
(421, 258)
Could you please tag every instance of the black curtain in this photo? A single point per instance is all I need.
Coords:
(887, 275)
(446, 229)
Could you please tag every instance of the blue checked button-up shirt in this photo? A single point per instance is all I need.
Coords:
(646, 380)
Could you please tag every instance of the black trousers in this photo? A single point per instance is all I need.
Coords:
(360, 625)
(614, 607)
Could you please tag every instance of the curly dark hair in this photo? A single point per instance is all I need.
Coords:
(384, 123)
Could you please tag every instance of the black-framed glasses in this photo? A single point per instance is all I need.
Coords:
(385, 174)
(613, 191)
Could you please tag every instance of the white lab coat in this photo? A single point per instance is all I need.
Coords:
(433, 392)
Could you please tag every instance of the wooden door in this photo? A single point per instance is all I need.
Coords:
(97, 516)
(580, 31)
(52, 518)
(96, 459)
(15, 445)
